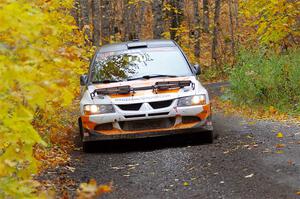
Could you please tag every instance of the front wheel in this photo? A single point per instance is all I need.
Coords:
(80, 126)
(87, 147)
(209, 137)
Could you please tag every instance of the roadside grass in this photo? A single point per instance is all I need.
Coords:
(265, 82)
(214, 74)
(257, 112)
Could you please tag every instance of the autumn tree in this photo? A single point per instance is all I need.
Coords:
(84, 19)
(105, 21)
(216, 30)
(231, 27)
(205, 16)
(158, 21)
(176, 17)
(276, 22)
(197, 28)
(96, 14)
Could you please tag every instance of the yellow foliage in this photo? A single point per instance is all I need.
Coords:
(276, 21)
(41, 55)
(279, 135)
(92, 190)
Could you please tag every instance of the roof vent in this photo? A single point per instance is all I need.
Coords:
(136, 44)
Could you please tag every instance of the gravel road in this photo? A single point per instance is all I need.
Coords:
(248, 160)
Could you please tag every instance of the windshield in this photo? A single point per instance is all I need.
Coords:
(138, 63)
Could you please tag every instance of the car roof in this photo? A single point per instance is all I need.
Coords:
(137, 44)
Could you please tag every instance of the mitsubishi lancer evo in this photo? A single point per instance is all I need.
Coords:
(141, 89)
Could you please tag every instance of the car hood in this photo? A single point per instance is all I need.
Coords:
(146, 95)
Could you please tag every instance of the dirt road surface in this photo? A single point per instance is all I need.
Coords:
(248, 160)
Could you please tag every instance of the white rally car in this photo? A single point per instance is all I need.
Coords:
(142, 89)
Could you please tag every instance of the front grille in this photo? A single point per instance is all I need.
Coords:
(130, 107)
(133, 116)
(190, 119)
(157, 114)
(161, 104)
(106, 126)
(147, 124)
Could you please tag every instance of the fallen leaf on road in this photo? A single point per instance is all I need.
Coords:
(252, 123)
(290, 162)
(186, 184)
(225, 152)
(191, 168)
(298, 193)
(92, 190)
(279, 152)
(280, 145)
(72, 169)
(279, 135)
(222, 182)
(116, 168)
(132, 165)
(249, 176)
(267, 151)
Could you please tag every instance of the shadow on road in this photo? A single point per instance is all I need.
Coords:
(147, 144)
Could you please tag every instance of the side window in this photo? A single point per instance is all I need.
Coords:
(91, 66)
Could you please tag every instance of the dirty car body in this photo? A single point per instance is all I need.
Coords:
(142, 89)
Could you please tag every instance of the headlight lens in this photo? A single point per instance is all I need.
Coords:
(91, 109)
(192, 100)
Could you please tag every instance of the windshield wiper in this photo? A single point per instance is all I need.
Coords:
(106, 81)
(150, 76)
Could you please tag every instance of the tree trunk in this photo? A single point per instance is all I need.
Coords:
(84, 12)
(141, 20)
(231, 28)
(158, 22)
(216, 30)
(236, 13)
(105, 21)
(176, 18)
(96, 13)
(205, 16)
(129, 17)
(197, 29)
(77, 14)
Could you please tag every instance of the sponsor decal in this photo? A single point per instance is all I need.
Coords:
(142, 98)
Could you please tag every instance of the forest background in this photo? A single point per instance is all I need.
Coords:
(46, 45)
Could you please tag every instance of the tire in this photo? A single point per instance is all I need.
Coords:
(87, 147)
(80, 127)
(78, 137)
(209, 137)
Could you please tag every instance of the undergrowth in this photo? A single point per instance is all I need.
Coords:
(266, 79)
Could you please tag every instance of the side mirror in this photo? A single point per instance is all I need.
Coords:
(83, 79)
(197, 69)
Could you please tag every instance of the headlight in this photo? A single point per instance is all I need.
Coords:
(192, 100)
(91, 109)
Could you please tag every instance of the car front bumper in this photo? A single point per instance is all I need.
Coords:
(119, 130)
(97, 136)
